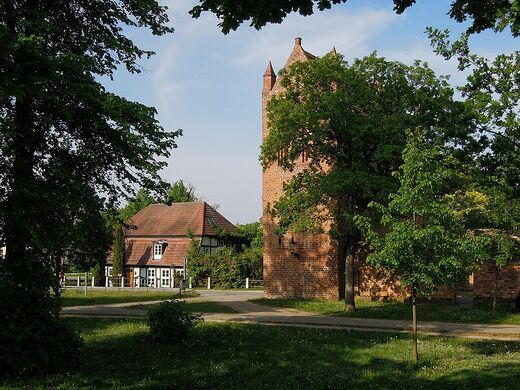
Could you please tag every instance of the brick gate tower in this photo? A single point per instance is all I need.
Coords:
(306, 265)
(295, 265)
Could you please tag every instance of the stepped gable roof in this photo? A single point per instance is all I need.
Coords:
(176, 220)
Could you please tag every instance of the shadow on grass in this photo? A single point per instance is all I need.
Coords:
(247, 356)
(195, 307)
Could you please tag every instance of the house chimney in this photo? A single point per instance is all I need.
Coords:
(297, 41)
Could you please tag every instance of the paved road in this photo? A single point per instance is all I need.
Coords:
(249, 312)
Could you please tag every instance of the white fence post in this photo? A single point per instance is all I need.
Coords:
(190, 283)
(122, 281)
(106, 282)
(247, 282)
(209, 283)
(93, 281)
(79, 281)
(86, 282)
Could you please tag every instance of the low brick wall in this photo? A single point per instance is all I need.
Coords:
(508, 283)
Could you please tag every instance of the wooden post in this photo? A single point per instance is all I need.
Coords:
(79, 282)
(106, 282)
(190, 283)
(247, 282)
(86, 282)
(122, 281)
(209, 283)
(93, 281)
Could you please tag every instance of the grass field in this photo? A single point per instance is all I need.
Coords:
(196, 307)
(95, 297)
(225, 356)
(398, 310)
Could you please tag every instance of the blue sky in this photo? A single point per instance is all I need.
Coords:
(209, 84)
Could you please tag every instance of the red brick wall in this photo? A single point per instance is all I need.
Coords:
(508, 283)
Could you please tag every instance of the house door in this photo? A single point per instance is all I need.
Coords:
(131, 278)
(165, 277)
(151, 277)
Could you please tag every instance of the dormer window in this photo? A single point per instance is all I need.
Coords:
(158, 249)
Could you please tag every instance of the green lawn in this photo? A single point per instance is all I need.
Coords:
(398, 310)
(197, 307)
(94, 297)
(238, 356)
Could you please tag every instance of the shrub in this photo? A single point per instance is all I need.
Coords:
(169, 321)
(55, 347)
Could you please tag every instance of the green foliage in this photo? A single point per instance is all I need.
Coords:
(229, 267)
(350, 120)
(180, 193)
(142, 199)
(169, 322)
(118, 253)
(355, 118)
(53, 346)
(496, 15)
(64, 140)
(492, 91)
(424, 242)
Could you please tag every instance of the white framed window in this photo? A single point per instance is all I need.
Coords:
(157, 250)
(165, 277)
(151, 277)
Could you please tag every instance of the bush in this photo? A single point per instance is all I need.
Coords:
(227, 268)
(169, 322)
(42, 347)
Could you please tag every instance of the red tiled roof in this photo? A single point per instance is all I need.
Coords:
(175, 220)
(140, 252)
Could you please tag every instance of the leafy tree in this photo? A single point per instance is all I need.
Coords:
(63, 139)
(118, 253)
(424, 242)
(180, 193)
(142, 199)
(496, 14)
(231, 265)
(494, 213)
(492, 91)
(350, 122)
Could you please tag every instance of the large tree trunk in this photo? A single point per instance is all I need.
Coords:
(415, 355)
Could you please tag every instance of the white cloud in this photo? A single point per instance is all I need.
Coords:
(349, 31)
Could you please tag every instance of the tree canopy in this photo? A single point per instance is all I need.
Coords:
(423, 240)
(488, 14)
(64, 139)
(349, 121)
(180, 193)
(142, 199)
